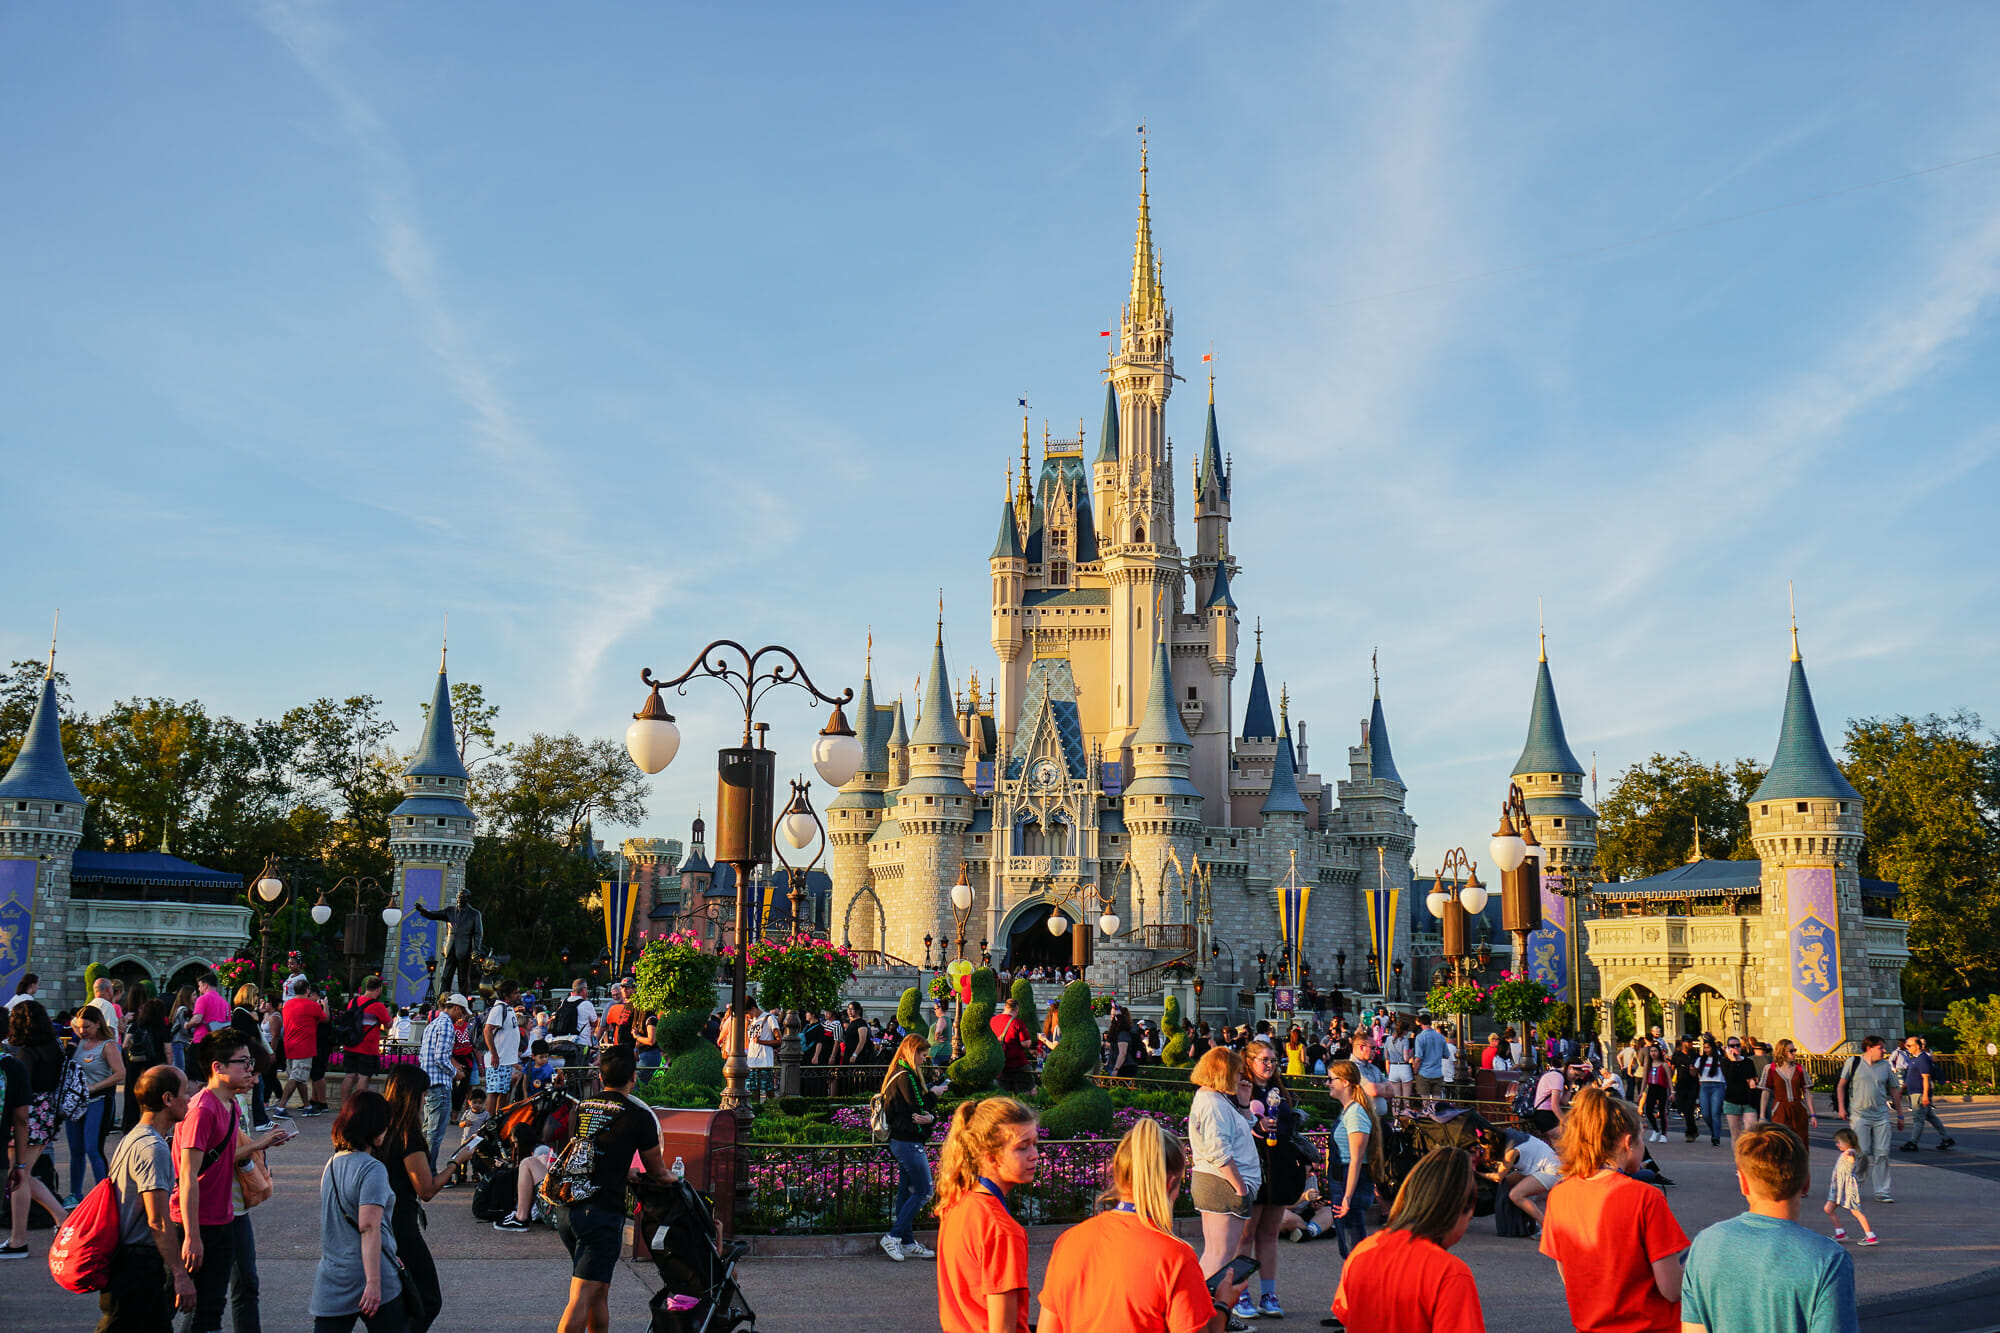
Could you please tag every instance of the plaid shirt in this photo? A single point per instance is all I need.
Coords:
(434, 1056)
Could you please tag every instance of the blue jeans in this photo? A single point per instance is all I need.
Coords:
(86, 1144)
(913, 1186)
(1919, 1114)
(1351, 1230)
(1711, 1108)
(437, 1117)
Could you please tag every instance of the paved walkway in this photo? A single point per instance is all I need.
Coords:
(1943, 1232)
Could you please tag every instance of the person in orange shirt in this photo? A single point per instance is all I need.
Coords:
(1401, 1280)
(982, 1251)
(1124, 1270)
(1614, 1239)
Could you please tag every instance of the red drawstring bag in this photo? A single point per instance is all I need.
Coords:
(80, 1255)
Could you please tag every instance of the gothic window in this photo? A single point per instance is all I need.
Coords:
(1138, 532)
(1058, 573)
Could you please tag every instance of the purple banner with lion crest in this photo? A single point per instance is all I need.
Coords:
(1818, 1023)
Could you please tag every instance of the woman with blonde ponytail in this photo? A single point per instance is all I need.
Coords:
(1124, 1270)
(1615, 1241)
(982, 1251)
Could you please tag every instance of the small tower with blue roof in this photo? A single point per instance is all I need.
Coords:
(1551, 782)
(1805, 821)
(1373, 817)
(41, 822)
(934, 809)
(430, 840)
(853, 816)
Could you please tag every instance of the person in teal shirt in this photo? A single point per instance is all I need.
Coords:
(1760, 1271)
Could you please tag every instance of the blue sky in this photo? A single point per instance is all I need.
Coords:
(611, 331)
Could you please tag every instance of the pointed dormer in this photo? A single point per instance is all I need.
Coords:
(1803, 768)
(40, 772)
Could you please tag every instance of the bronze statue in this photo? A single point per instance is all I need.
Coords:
(465, 933)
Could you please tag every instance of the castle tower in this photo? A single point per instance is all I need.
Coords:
(1009, 565)
(430, 840)
(1135, 534)
(1372, 819)
(933, 811)
(696, 877)
(1212, 723)
(1805, 821)
(899, 747)
(1551, 782)
(1162, 806)
(41, 822)
(852, 818)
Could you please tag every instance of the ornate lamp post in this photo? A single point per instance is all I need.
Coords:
(354, 934)
(1518, 855)
(744, 775)
(1397, 968)
(270, 887)
(927, 951)
(1454, 907)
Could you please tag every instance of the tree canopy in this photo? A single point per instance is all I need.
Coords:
(1647, 823)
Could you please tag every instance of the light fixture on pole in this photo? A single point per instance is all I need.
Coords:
(270, 887)
(961, 908)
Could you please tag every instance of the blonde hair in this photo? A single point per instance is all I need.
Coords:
(1784, 1053)
(910, 1053)
(1438, 1192)
(1219, 1069)
(1146, 1160)
(979, 1130)
(1378, 1151)
(246, 995)
(1597, 1123)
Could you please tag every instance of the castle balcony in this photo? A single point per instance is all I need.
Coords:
(1047, 867)
(1888, 942)
(1677, 952)
(161, 934)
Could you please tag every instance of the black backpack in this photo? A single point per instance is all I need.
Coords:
(350, 1024)
(564, 1023)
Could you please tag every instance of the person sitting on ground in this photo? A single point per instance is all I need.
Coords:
(1760, 1269)
(535, 1154)
(1403, 1279)
(1533, 1170)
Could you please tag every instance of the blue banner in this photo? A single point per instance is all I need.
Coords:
(17, 920)
(1548, 948)
(421, 885)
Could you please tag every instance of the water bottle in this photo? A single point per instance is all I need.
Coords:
(678, 1171)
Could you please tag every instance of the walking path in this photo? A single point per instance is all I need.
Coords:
(1938, 1267)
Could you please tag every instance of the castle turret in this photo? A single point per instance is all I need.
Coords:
(1372, 819)
(1162, 806)
(1805, 821)
(852, 817)
(430, 840)
(1211, 508)
(41, 822)
(899, 747)
(1551, 781)
(933, 811)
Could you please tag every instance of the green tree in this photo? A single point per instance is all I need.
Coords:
(1647, 823)
(341, 764)
(472, 721)
(1932, 823)
(556, 786)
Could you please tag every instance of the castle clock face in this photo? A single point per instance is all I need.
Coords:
(1046, 773)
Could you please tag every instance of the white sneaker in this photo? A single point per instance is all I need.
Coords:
(893, 1248)
(916, 1249)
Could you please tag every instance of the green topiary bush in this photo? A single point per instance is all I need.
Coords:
(1174, 1054)
(90, 976)
(1023, 994)
(1087, 1111)
(910, 1013)
(679, 1030)
(1076, 1054)
(700, 1066)
(976, 1070)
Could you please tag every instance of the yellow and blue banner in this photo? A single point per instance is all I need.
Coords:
(417, 945)
(619, 904)
(1548, 948)
(1382, 933)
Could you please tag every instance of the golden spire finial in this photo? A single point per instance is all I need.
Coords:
(1145, 276)
(1260, 638)
(1284, 709)
(53, 630)
(1541, 629)
(1793, 597)
(444, 643)
(1375, 665)
(868, 670)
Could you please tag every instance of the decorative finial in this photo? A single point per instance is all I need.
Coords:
(869, 669)
(1375, 665)
(940, 629)
(1793, 598)
(1284, 709)
(1541, 629)
(444, 643)
(1260, 638)
(53, 629)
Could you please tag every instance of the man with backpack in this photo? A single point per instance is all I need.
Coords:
(573, 1030)
(208, 1147)
(359, 1028)
(586, 1186)
(1864, 1095)
(147, 1281)
(502, 1036)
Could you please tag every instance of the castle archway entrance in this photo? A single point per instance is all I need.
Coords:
(1028, 941)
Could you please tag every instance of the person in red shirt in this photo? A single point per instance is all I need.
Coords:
(209, 1144)
(302, 1016)
(1018, 1073)
(982, 1251)
(363, 1059)
(1401, 1280)
(1614, 1239)
(1124, 1270)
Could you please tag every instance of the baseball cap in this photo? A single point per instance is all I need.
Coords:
(454, 998)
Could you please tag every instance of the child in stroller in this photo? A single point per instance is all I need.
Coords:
(699, 1293)
(512, 1137)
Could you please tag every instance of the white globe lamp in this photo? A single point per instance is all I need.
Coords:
(269, 888)
(1108, 923)
(1508, 847)
(1058, 924)
(1473, 897)
(799, 827)
(391, 915)
(321, 914)
(652, 740)
(961, 894)
(837, 751)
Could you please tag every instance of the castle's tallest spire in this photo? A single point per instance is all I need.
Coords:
(1147, 296)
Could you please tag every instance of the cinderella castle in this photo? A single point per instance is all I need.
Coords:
(1100, 772)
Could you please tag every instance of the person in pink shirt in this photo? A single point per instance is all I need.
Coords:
(211, 1009)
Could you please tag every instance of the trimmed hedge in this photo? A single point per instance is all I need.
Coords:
(1069, 1065)
(1174, 1055)
(976, 1070)
(910, 1013)
(1087, 1111)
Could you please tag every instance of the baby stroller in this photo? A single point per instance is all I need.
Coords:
(676, 1230)
(1419, 1134)
(496, 1157)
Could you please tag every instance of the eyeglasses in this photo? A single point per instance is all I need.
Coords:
(243, 1060)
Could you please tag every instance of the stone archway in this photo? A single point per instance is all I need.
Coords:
(1025, 940)
(864, 910)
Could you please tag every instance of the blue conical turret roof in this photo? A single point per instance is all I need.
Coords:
(874, 737)
(1219, 595)
(1086, 529)
(1284, 797)
(1547, 750)
(935, 724)
(437, 755)
(899, 734)
(1008, 546)
(1381, 761)
(1211, 456)
(1160, 724)
(40, 772)
(1107, 441)
(1258, 724)
(1802, 767)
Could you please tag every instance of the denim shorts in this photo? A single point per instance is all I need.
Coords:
(593, 1236)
